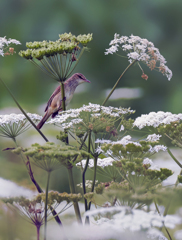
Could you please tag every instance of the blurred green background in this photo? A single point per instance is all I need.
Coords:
(28, 20)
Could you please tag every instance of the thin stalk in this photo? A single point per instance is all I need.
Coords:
(77, 61)
(72, 189)
(118, 82)
(93, 186)
(46, 201)
(43, 69)
(38, 232)
(163, 223)
(83, 142)
(167, 208)
(21, 109)
(85, 169)
(39, 189)
(173, 157)
(63, 96)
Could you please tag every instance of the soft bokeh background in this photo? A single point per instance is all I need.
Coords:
(28, 20)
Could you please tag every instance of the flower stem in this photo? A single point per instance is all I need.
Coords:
(63, 96)
(85, 169)
(38, 232)
(173, 157)
(93, 186)
(39, 189)
(163, 223)
(46, 201)
(103, 104)
(72, 189)
(21, 109)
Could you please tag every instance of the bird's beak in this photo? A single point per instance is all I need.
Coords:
(87, 81)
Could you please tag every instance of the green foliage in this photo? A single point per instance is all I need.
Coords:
(51, 156)
(173, 131)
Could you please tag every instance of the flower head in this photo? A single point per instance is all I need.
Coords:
(14, 124)
(34, 209)
(142, 50)
(156, 119)
(51, 156)
(5, 43)
(56, 58)
(93, 117)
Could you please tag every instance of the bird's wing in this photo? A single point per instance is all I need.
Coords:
(58, 89)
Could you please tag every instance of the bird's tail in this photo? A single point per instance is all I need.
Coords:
(43, 120)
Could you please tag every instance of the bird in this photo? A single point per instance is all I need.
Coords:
(54, 105)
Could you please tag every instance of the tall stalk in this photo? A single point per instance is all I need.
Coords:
(38, 232)
(46, 201)
(72, 189)
(24, 113)
(103, 104)
(85, 169)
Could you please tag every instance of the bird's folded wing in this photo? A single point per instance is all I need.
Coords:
(58, 89)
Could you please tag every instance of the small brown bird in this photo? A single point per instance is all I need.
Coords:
(54, 104)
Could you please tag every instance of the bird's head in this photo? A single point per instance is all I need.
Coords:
(79, 78)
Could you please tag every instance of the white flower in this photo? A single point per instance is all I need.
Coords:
(88, 184)
(154, 233)
(122, 128)
(126, 140)
(102, 141)
(147, 161)
(154, 167)
(134, 55)
(111, 50)
(4, 43)
(140, 49)
(156, 119)
(105, 162)
(154, 137)
(71, 117)
(14, 124)
(157, 148)
(124, 218)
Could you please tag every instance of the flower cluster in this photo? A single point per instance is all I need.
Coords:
(130, 159)
(140, 49)
(57, 58)
(88, 184)
(14, 124)
(4, 44)
(66, 44)
(124, 218)
(155, 119)
(51, 156)
(105, 162)
(34, 209)
(93, 117)
(125, 148)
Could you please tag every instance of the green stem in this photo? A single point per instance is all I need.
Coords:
(118, 82)
(46, 201)
(173, 157)
(170, 200)
(72, 189)
(93, 186)
(21, 109)
(85, 169)
(163, 223)
(94, 179)
(63, 97)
